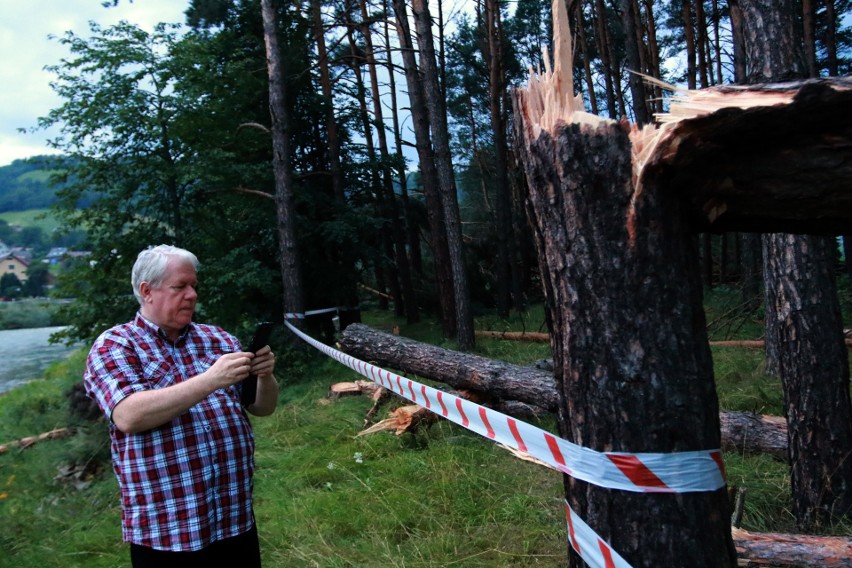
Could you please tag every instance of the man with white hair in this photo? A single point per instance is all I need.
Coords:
(182, 445)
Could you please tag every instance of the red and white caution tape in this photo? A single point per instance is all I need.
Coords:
(679, 472)
(594, 551)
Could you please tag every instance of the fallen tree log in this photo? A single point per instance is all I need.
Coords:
(759, 550)
(497, 379)
(512, 388)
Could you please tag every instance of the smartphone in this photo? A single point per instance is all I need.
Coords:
(258, 341)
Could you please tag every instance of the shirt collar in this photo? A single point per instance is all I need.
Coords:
(149, 326)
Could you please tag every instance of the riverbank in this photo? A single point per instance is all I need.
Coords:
(25, 354)
(31, 313)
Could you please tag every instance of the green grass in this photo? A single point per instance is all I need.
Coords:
(326, 498)
(42, 218)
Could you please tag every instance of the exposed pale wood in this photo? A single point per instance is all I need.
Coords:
(403, 419)
(338, 390)
(516, 335)
(761, 550)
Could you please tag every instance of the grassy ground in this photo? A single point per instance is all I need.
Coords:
(42, 218)
(326, 498)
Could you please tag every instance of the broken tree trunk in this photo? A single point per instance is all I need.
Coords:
(623, 301)
(520, 390)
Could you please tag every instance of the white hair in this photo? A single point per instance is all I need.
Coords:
(151, 264)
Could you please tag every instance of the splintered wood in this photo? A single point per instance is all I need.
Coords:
(748, 158)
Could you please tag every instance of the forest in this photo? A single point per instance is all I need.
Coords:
(312, 152)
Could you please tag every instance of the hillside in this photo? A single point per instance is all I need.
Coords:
(25, 184)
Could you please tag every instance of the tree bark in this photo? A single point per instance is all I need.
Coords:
(804, 330)
(411, 228)
(444, 166)
(393, 227)
(632, 37)
(285, 203)
(759, 550)
(434, 208)
(631, 360)
(502, 197)
(805, 327)
(504, 384)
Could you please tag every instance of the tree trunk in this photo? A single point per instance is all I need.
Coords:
(738, 42)
(805, 326)
(285, 203)
(751, 269)
(393, 227)
(429, 173)
(631, 360)
(412, 232)
(349, 293)
(502, 198)
(632, 38)
(444, 166)
(603, 42)
(831, 38)
(502, 383)
(809, 37)
(804, 332)
(689, 35)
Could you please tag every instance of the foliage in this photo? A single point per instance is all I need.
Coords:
(26, 184)
(29, 313)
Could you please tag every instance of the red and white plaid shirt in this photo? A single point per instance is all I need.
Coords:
(187, 483)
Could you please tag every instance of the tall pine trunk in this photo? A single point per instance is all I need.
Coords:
(446, 177)
(429, 173)
(804, 333)
(285, 203)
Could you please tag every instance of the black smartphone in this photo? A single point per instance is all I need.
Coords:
(258, 341)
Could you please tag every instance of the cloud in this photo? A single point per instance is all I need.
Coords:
(26, 26)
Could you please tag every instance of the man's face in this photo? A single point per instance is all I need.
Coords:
(171, 304)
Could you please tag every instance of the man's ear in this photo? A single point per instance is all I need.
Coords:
(145, 290)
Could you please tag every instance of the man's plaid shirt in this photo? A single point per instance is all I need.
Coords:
(187, 483)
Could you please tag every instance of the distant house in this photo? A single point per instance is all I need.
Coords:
(56, 254)
(11, 263)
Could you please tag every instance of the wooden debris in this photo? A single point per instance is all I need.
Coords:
(760, 550)
(403, 419)
(29, 441)
(533, 336)
(357, 388)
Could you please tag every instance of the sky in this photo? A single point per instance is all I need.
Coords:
(25, 48)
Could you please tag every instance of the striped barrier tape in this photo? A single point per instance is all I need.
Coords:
(679, 472)
(594, 551)
(306, 313)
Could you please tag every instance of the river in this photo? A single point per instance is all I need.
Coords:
(26, 353)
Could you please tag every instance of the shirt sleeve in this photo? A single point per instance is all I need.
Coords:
(113, 371)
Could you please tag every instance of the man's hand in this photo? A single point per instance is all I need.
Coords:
(263, 364)
(229, 369)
